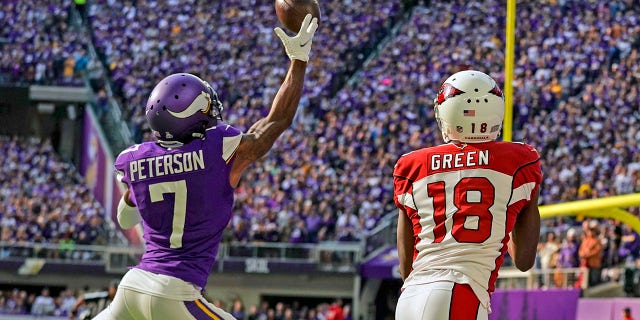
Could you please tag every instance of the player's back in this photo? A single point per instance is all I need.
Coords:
(185, 200)
(463, 200)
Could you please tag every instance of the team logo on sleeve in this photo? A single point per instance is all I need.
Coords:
(447, 91)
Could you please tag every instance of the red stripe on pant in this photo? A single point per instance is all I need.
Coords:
(464, 303)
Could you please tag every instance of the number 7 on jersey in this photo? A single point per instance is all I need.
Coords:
(179, 188)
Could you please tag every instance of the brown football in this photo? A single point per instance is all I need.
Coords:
(292, 12)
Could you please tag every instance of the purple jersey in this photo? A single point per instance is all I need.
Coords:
(185, 199)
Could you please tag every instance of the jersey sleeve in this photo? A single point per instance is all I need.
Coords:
(231, 138)
(121, 169)
(403, 184)
(528, 177)
(121, 166)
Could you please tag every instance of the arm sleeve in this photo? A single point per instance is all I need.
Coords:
(128, 216)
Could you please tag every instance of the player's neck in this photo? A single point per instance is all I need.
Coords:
(460, 145)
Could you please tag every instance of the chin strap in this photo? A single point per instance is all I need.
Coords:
(170, 144)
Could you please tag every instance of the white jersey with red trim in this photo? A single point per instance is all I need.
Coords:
(463, 200)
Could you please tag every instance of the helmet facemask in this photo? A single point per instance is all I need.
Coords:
(216, 105)
(445, 136)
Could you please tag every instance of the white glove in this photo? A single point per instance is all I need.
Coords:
(298, 47)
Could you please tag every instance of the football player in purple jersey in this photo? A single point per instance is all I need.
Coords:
(181, 187)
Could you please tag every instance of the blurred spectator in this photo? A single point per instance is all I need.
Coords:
(567, 258)
(253, 313)
(568, 254)
(335, 311)
(626, 314)
(548, 251)
(279, 311)
(590, 253)
(238, 309)
(610, 235)
(299, 232)
(67, 302)
(43, 304)
(630, 244)
(548, 256)
(90, 304)
(347, 227)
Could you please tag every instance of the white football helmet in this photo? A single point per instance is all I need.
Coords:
(469, 108)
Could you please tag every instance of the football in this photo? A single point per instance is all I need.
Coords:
(292, 12)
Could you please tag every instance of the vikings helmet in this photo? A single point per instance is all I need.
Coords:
(470, 108)
(181, 107)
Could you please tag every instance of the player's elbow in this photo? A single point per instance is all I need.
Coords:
(525, 264)
(523, 254)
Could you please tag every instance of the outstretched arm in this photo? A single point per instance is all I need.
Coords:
(261, 136)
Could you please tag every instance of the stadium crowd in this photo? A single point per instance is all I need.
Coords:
(41, 202)
(245, 73)
(575, 98)
(348, 143)
(65, 304)
(576, 101)
(41, 47)
(231, 44)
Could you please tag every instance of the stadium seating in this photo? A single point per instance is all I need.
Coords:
(359, 133)
(576, 94)
(58, 305)
(576, 100)
(41, 46)
(235, 52)
(573, 89)
(231, 44)
(41, 202)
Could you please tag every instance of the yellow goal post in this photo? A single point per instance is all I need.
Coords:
(607, 208)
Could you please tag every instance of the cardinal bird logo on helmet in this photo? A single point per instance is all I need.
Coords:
(447, 91)
(496, 91)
